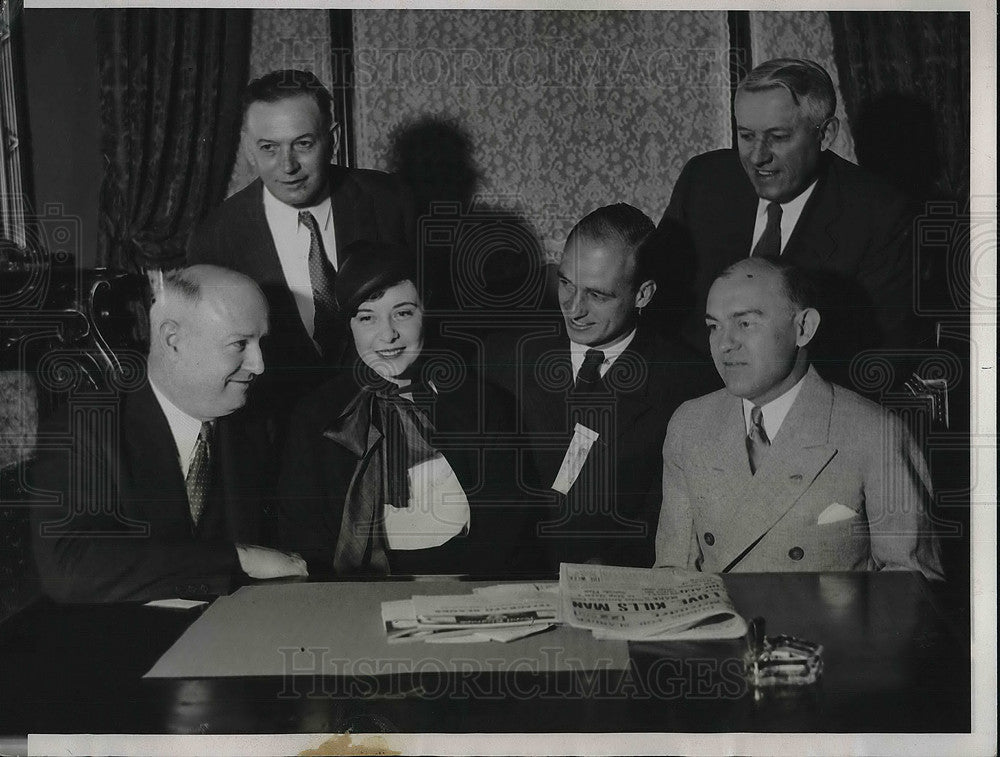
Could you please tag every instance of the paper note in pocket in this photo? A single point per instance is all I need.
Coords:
(576, 455)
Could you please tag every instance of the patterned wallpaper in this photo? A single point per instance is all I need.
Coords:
(546, 114)
(556, 113)
(285, 39)
(801, 35)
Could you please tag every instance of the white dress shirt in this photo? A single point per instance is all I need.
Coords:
(183, 427)
(292, 240)
(773, 412)
(790, 212)
(577, 352)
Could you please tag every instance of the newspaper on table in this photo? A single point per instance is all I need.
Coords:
(647, 604)
(501, 615)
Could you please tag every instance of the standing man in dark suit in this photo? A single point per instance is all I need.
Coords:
(162, 494)
(288, 230)
(595, 397)
(783, 192)
(781, 470)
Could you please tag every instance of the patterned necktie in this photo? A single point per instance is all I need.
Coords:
(199, 475)
(321, 277)
(757, 441)
(770, 241)
(588, 380)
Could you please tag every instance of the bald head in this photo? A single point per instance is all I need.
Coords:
(206, 325)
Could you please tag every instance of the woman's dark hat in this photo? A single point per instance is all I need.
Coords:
(371, 267)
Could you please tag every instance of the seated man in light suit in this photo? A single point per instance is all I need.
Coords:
(782, 470)
(161, 493)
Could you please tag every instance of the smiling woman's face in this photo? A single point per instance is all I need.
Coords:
(389, 330)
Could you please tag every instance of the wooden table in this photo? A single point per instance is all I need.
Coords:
(895, 662)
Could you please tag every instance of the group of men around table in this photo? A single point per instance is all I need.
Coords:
(634, 459)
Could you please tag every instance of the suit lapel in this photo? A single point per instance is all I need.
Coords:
(632, 405)
(353, 214)
(725, 449)
(799, 452)
(255, 234)
(547, 361)
(155, 472)
(814, 238)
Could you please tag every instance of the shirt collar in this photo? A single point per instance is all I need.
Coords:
(577, 352)
(183, 427)
(286, 214)
(773, 412)
(792, 208)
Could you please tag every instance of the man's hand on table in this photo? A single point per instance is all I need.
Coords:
(263, 562)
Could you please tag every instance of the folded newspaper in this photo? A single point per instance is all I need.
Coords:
(647, 604)
(501, 613)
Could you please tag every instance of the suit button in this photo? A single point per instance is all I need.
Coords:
(709, 538)
(796, 553)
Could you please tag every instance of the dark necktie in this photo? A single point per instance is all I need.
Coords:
(321, 277)
(757, 441)
(199, 475)
(588, 380)
(770, 241)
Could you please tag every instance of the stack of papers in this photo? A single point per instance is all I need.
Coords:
(493, 613)
(647, 604)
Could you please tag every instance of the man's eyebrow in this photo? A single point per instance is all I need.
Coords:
(751, 311)
(599, 291)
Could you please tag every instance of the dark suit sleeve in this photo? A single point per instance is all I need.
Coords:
(306, 492)
(886, 272)
(86, 551)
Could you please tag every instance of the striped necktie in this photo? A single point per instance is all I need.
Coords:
(321, 277)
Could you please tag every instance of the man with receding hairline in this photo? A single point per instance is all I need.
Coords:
(595, 396)
(185, 472)
(782, 192)
(781, 470)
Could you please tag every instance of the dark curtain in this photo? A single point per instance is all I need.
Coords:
(170, 119)
(906, 80)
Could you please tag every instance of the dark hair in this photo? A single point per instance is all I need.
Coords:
(289, 82)
(797, 283)
(625, 226)
(807, 82)
(370, 269)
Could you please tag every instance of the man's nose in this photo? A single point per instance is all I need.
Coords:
(574, 305)
(289, 162)
(760, 152)
(724, 338)
(253, 359)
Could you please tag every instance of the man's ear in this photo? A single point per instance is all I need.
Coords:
(829, 132)
(645, 293)
(168, 334)
(806, 325)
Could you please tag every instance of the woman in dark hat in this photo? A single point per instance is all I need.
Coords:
(389, 467)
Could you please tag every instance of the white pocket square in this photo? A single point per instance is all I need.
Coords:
(835, 512)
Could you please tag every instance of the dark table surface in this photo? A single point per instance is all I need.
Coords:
(896, 661)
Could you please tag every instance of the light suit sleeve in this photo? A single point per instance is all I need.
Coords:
(898, 497)
(676, 543)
